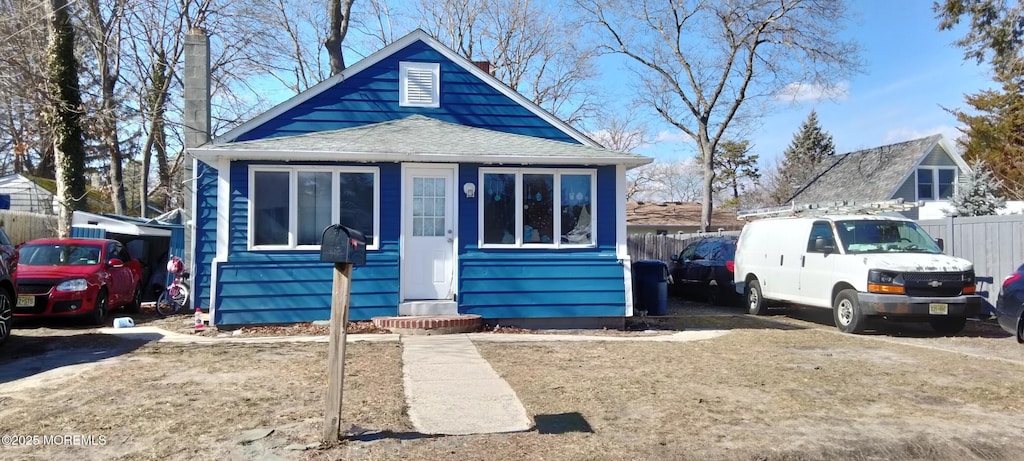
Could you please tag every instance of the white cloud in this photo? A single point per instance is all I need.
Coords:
(800, 92)
(675, 136)
(951, 133)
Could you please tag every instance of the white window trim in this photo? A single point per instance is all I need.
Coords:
(557, 206)
(293, 213)
(935, 181)
(403, 72)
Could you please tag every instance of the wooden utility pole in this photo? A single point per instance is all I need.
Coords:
(336, 351)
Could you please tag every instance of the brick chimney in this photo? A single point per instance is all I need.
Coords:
(197, 122)
(484, 66)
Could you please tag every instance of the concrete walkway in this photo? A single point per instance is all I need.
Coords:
(451, 389)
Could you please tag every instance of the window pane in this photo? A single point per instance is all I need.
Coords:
(357, 203)
(270, 207)
(499, 208)
(947, 178)
(314, 190)
(925, 185)
(538, 208)
(576, 210)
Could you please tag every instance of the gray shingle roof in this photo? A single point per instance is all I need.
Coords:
(418, 138)
(867, 175)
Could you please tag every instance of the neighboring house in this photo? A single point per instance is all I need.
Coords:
(20, 193)
(925, 170)
(473, 200)
(675, 218)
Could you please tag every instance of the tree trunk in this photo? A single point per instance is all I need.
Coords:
(64, 117)
(340, 12)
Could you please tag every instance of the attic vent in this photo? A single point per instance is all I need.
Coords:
(419, 84)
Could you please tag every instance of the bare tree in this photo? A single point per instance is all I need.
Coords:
(340, 11)
(677, 181)
(699, 63)
(103, 28)
(25, 141)
(529, 45)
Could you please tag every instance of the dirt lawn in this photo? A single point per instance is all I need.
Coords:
(787, 387)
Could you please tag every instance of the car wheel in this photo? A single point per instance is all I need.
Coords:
(136, 305)
(99, 310)
(756, 304)
(6, 315)
(950, 325)
(1020, 329)
(846, 311)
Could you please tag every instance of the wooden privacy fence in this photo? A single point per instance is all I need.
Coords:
(663, 246)
(995, 244)
(22, 226)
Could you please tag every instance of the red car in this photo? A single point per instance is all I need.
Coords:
(79, 277)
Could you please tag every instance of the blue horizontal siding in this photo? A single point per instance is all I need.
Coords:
(371, 96)
(537, 284)
(205, 242)
(286, 286)
(300, 291)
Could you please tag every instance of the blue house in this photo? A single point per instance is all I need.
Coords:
(473, 200)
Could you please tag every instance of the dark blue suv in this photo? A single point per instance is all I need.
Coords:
(8, 290)
(704, 270)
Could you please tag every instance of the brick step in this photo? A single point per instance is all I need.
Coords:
(430, 324)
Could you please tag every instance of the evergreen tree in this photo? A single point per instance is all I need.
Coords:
(809, 148)
(978, 192)
(64, 115)
(733, 165)
(995, 133)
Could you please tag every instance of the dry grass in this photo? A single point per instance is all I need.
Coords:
(768, 390)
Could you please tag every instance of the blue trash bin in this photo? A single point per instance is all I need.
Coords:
(650, 286)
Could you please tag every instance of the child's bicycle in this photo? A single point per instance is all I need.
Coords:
(175, 296)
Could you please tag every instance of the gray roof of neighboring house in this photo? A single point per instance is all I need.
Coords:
(418, 138)
(867, 175)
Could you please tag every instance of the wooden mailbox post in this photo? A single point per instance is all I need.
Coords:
(344, 247)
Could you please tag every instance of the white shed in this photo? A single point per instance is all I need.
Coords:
(19, 193)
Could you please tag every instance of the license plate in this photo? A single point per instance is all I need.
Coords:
(26, 301)
(938, 309)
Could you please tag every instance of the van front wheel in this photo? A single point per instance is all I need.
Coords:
(846, 311)
(756, 304)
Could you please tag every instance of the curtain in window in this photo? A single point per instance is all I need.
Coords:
(576, 209)
(314, 206)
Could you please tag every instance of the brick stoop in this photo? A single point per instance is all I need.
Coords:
(430, 325)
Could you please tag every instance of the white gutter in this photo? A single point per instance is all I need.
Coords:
(214, 156)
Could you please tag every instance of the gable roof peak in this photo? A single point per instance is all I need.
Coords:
(418, 35)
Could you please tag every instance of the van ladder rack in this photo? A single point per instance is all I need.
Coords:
(818, 209)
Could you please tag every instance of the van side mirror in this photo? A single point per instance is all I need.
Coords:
(941, 244)
(824, 245)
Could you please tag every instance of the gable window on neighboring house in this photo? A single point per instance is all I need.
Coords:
(935, 183)
(289, 207)
(419, 84)
(551, 208)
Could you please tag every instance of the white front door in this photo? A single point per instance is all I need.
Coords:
(428, 233)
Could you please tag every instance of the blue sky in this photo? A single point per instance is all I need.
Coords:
(911, 71)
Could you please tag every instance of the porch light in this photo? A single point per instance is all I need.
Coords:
(470, 189)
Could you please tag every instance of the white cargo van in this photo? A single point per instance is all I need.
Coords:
(857, 265)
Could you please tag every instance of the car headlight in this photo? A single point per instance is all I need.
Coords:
(73, 285)
(885, 282)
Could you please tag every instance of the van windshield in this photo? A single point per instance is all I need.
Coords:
(880, 236)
